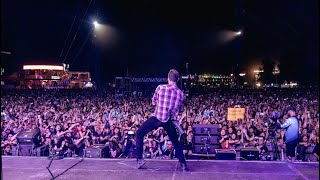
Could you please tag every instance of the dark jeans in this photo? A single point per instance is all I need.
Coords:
(291, 148)
(153, 123)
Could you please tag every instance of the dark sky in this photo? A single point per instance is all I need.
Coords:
(150, 37)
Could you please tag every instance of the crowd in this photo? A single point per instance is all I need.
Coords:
(71, 120)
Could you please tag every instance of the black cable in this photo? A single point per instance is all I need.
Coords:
(48, 167)
(65, 42)
(53, 158)
(69, 168)
(77, 32)
(80, 50)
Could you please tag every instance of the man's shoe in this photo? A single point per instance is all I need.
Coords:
(184, 167)
(140, 163)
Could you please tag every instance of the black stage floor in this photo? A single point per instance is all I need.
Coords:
(25, 168)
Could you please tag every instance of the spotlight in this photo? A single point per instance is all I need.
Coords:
(96, 24)
(239, 33)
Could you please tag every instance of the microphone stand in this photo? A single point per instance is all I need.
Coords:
(208, 142)
(187, 91)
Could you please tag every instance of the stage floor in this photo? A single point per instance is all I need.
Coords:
(28, 168)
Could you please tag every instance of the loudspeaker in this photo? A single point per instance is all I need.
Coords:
(14, 150)
(205, 140)
(249, 153)
(205, 129)
(42, 150)
(225, 154)
(25, 150)
(97, 151)
(203, 149)
(29, 136)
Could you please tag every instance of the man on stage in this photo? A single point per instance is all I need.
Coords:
(292, 133)
(168, 100)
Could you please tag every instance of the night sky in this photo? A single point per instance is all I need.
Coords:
(147, 38)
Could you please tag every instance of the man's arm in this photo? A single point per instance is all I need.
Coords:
(155, 96)
(79, 140)
(247, 136)
(286, 124)
(316, 155)
(178, 105)
(221, 140)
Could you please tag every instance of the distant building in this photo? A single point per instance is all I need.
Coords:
(54, 76)
(79, 79)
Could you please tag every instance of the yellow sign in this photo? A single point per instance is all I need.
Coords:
(235, 113)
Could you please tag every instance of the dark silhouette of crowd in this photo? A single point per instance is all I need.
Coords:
(72, 120)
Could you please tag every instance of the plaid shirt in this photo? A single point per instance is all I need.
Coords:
(168, 99)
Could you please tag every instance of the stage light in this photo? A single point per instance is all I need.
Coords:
(238, 33)
(96, 24)
(5, 52)
(258, 71)
(43, 67)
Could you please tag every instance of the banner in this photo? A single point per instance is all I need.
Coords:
(235, 113)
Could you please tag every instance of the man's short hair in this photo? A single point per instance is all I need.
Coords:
(262, 137)
(173, 75)
(291, 108)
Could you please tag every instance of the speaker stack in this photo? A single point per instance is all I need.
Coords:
(225, 154)
(205, 140)
(249, 153)
(28, 140)
(97, 151)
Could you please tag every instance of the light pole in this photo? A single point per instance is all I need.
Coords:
(257, 77)
(275, 72)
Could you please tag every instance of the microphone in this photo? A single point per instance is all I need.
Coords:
(182, 134)
(178, 127)
(209, 138)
